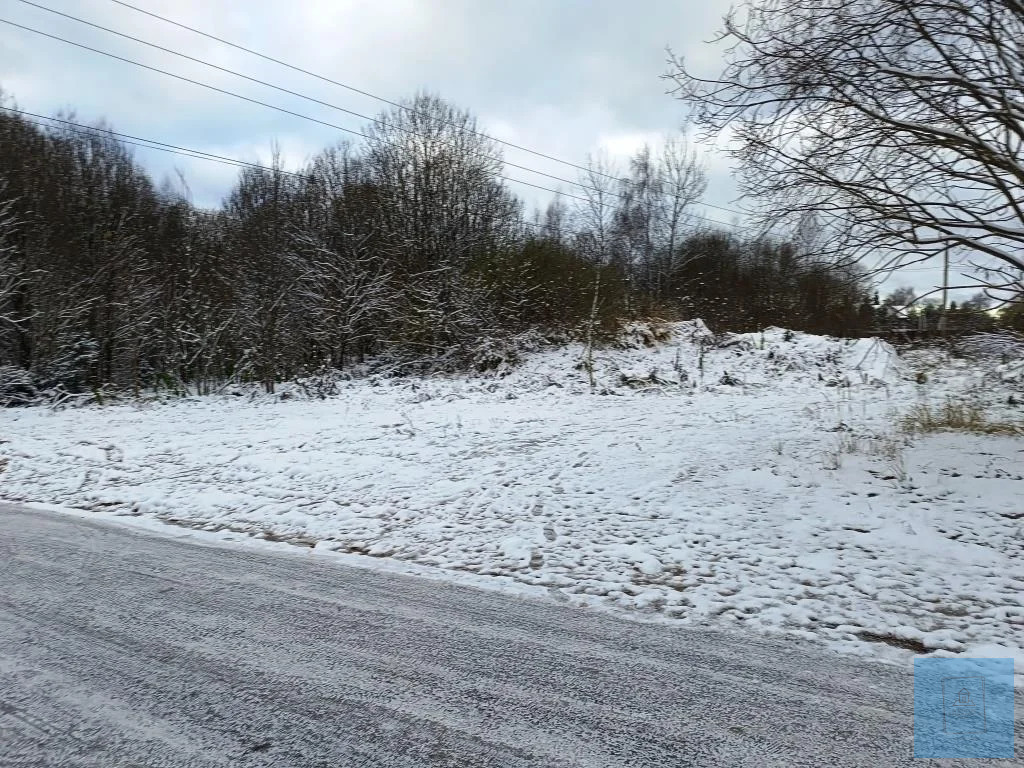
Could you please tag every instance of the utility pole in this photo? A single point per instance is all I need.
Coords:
(945, 291)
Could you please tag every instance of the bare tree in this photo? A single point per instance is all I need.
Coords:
(684, 179)
(345, 295)
(595, 214)
(441, 212)
(651, 210)
(900, 121)
(440, 199)
(269, 267)
(555, 223)
(681, 181)
(900, 297)
(11, 272)
(595, 209)
(636, 220)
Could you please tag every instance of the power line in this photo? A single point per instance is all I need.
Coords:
(290, 92)
(139, 141)
(297, 114)
(382, 122)
(174, 149)
(309, 98)
(262, 103)
(184, 79)
(382, 99)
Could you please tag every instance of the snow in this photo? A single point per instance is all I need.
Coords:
(785, 501)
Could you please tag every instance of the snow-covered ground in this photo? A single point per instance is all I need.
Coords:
(787, 500)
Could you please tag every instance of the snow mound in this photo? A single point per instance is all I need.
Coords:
(645, 358)
(1004, 344)
(688, 355)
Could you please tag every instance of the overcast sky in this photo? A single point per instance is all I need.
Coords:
(564, 77)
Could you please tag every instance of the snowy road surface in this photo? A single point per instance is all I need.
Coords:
(122, 649)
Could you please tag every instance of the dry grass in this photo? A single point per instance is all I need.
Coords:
(953, 416)
(880, 446)
(886, 448)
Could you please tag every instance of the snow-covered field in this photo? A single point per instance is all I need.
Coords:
(787, 500)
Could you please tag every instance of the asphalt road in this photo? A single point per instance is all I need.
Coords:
(119, 648)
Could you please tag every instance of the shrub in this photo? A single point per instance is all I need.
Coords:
(17, 387)
(953, 416)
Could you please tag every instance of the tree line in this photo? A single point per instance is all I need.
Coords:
(407, 247)
(903, 310)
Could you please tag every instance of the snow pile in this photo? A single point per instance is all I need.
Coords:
(777, 351)
(689, 355)
(1004, 344)
(783, 501)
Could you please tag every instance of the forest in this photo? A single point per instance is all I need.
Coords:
(406, 248)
